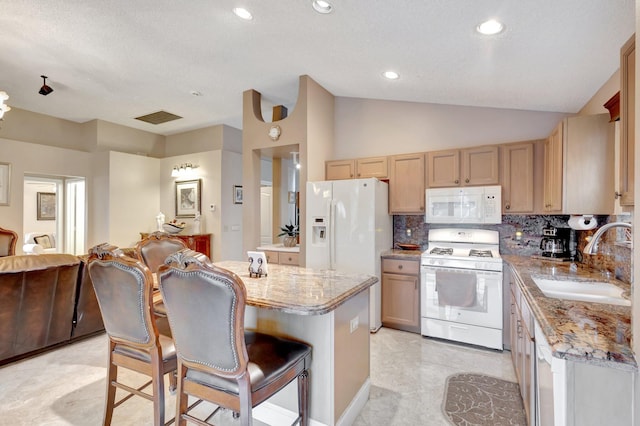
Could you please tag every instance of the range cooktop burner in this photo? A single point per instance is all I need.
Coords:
(442, 251)
(480, 253)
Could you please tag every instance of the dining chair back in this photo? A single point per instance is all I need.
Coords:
(156, 247)
(124, 287)
(218, 361)
(8, 240)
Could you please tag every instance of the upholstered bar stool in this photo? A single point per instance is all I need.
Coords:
(8, 240)
(124, 287)
(218, 361)
(152, 251)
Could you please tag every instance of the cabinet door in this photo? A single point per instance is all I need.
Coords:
(377, 167)
(444, 168)
(553, 171)
(339, 169)
(517, 178)
(627, 121)
(480, 166)
(400, 302)
(406, 184)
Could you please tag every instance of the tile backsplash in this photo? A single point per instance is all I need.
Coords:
(613, 257)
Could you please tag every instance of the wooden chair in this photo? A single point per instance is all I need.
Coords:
(8, 240)
(124, 287)
(156, 247)
(218, 361)
(152, 251)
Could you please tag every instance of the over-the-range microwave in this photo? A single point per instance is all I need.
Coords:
(473, 204)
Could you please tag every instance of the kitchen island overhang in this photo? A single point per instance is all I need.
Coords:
(328, 310)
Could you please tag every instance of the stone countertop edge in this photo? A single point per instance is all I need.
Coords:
(401, 254)
(278, 247)
(594, 333)
(297, 290)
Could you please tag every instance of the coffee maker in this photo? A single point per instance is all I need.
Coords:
(555, 242)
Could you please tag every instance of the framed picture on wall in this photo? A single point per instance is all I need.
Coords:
(188, 198)
(5, 183)
(46, 206)
(237, 194)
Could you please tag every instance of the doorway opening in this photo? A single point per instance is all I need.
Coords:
(55, 206)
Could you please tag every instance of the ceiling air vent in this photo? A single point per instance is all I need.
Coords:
(158, 117)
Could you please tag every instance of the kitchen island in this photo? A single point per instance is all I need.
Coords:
(328, 310)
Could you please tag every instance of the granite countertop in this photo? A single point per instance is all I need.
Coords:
(401, 254)
(299, 290)
(595, 333)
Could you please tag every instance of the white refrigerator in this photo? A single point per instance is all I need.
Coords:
(348, 226)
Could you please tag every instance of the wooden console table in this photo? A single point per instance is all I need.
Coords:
(198, 242)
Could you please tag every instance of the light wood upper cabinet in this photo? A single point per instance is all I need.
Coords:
(377, 167)
(444, 168)
(463, 167)
(553, 171)
(627, 121)
(407, 184)
(339, 169)
(578, 166)
(517, 178)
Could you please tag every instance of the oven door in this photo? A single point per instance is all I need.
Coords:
(465, 296)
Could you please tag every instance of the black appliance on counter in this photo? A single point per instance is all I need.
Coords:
(555, 242)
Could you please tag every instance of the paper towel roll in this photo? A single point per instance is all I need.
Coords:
(583, 223)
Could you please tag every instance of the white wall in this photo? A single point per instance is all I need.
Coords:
(134, 196)
(367, 127)
(230, 243)
(30, 206)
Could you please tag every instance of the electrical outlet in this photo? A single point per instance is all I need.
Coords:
(354, 324)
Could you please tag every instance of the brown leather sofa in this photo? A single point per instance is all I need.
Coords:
(45, 301)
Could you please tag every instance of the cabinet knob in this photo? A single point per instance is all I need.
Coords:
(358, 174)
(466, 180)
(507, 207)
(456, 181)
(399, 266)
(617, 195)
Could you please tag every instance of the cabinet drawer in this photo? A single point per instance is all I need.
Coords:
(272, 256)
(396, 266)
(285, 258)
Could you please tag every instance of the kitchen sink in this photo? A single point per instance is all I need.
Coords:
(586, 291)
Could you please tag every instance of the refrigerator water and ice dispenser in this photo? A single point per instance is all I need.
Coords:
(319, 231)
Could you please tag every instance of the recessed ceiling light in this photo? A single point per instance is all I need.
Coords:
(490, 27)
(322, 6)
(243, 13)
(391, 75)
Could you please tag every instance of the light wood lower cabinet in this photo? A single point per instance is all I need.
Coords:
(282, 257)
(523, 349)
(401, 294)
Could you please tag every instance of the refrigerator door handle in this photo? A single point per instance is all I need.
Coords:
(332, 235)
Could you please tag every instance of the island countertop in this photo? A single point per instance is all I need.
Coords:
(594, 333)
(299, 290)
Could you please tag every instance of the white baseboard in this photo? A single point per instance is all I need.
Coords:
(274, 415)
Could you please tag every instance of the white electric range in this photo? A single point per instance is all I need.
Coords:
(461, 279)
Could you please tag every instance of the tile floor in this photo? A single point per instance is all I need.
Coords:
(408, 372)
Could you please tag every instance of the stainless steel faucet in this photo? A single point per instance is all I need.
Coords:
(592, 246)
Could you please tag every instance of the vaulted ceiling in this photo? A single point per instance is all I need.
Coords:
(116, 60)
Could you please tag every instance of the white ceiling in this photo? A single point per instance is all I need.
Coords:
(118, 59)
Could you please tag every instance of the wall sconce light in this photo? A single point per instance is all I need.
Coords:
(183, 170)
(3, 107)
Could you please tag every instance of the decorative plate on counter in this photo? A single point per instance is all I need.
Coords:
(408, 246)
